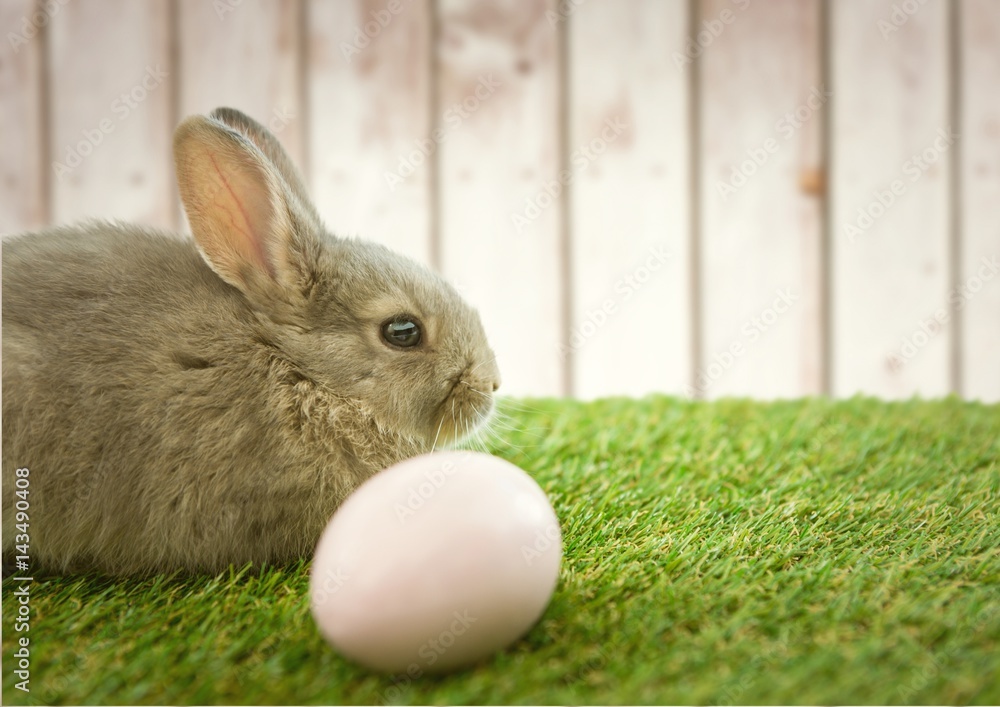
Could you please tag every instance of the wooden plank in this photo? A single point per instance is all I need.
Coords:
(979, 293)
(370, 125)
(110, 112)
(244, 56)
(22, 204)
(630, 328)
(762, 112)
(890, 269)
(499, 108)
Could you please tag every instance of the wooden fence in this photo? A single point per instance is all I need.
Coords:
(770, 198)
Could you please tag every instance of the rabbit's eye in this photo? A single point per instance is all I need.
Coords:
(401, 332)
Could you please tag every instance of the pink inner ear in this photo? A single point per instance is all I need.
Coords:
(249, 208)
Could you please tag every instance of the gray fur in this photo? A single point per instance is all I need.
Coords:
(172, 420)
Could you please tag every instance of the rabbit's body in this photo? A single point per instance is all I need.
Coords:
(171, 419)
(177, 379)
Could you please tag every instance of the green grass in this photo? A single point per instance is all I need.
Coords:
(729, 552)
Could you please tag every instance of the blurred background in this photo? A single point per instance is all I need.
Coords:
(765, 198)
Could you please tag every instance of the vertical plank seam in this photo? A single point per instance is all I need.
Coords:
(694, 227)
(955, 224)
(46, 136)
(826, 213)
(565, 245)
(302, 89)
(434, 161)
(173, 100)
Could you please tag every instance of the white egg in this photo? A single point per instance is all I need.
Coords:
(435, 563)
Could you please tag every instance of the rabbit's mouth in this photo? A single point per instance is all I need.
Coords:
(463, 411)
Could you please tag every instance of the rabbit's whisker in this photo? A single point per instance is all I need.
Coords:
(515, 404)
(438, 434)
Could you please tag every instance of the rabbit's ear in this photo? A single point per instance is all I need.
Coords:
(239, 211)
(267, 143)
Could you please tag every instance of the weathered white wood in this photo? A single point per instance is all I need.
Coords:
(243, 55)
(370, 110)
(501, 148)
(891, 274)
(979, 282)
(22, 204)
(110, 111)
(630, 328)
(762, 108)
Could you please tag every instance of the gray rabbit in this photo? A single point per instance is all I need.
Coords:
(187, 404)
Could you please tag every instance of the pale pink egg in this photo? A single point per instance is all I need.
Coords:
(435, 563)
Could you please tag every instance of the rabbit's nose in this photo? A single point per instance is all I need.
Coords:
(496, 386)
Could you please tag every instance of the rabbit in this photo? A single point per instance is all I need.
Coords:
(189, 404)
